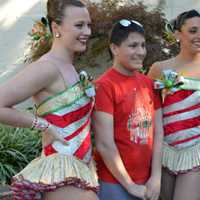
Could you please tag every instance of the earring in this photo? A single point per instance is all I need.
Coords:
(57, 35)
(177, 40)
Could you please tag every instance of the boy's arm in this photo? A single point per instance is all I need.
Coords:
(153, 184)
(105, 144)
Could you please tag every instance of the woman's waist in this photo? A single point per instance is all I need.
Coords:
(181, 102)
(181, 125)
(73, 133)
(79, 146)
(69, 129)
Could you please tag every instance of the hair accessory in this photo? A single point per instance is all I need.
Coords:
(126, 22)
(44, 20)
(169, 36)
(39, 32)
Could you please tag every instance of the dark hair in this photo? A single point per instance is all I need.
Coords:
(120, 33)
(182, 18)
(55, 13)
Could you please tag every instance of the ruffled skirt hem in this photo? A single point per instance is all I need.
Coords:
(181, 161)
(46, 174)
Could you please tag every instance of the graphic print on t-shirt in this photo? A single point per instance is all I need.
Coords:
(138, 125)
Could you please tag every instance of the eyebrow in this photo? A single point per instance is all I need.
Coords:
(83, 21)
(136, 42)
(194, 27)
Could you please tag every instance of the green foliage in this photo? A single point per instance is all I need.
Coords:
(108, 12)
(17, 148)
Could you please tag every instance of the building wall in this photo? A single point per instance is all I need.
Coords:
(16, 20)
(174, 7)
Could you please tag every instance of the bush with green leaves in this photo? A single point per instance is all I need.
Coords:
(107, 12)
(18, 147)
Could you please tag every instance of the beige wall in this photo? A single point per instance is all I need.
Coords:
(16, 20)
(17, 16)
(174, 7)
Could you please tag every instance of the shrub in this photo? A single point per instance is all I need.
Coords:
(106, 13)
(17, 148)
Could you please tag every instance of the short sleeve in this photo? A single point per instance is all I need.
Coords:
(104, 98)
(156, 94)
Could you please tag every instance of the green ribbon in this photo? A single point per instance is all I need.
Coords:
(172, 82)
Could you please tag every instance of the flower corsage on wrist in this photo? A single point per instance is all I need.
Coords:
(40, 124)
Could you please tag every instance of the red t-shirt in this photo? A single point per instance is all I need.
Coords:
(132, 102)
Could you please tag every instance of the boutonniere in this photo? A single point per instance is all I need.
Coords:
(170, 80)
(86, 83)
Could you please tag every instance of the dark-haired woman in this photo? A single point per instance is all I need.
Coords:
(63, 106)
(181, 111)
(128, 140)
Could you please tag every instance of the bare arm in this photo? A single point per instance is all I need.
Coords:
(153, 184)
(104, 137)
(157, 146)
(154, 72)
(24, 85)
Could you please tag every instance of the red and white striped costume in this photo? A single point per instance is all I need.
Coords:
(181, 111)
(73, 123)
(61, 165)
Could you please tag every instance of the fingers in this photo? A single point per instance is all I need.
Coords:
(149, 195)
(155, 196)
(152, 196)
(61, 139)
(56, 136)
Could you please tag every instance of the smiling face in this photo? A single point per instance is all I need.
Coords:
(190, 35)
(75, 28)
(130, 54)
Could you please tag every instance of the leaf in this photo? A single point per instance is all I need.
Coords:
(18, 147)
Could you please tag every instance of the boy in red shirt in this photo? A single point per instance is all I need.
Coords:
(128, 140)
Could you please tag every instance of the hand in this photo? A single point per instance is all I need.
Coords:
(137, 190)
(54, 135)
(153, 188)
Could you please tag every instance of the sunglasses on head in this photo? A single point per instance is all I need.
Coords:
(127, 23)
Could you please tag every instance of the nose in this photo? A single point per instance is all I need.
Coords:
(141, 51)
(198, 33)
(87, 30)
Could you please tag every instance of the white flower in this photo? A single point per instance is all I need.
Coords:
(90, 91)
(165, 50)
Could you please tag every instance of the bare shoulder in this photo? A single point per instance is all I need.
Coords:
(155, 70)
(28, 82)
(157, 67)
(167, 64)
(41, 72)
(41, 68)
